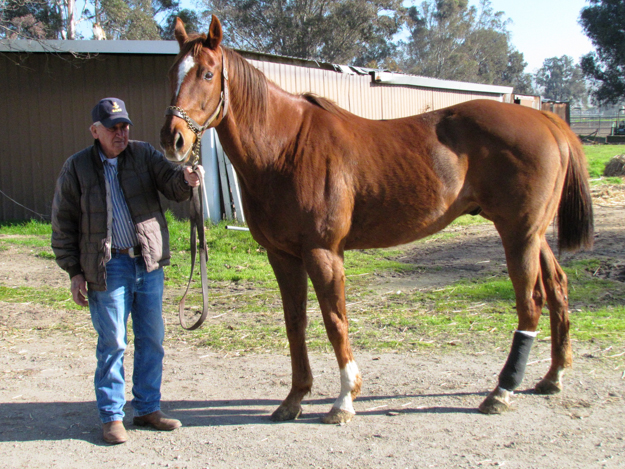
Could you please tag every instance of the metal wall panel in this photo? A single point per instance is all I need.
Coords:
(47, 100)
(46, 114)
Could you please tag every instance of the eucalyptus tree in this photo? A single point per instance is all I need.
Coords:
(453, 40)
(108, 19)
(358, 32)
(604, 24)
(561, 79)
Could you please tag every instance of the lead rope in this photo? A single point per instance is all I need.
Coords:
(196, 218)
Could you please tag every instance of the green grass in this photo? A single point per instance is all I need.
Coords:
(27, 228)
(233, 256)
(598, 156)
(45, 296)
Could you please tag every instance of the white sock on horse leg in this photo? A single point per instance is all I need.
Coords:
(348, 381)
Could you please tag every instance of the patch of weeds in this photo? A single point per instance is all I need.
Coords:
(26, 228)
(53, 297)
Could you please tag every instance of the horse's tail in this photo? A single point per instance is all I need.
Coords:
(575, 214)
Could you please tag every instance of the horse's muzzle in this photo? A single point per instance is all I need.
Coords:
(175, 145)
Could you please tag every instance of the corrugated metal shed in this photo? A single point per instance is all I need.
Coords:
(49, 88)
(562, 109)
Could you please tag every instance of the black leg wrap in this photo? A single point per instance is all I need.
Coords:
(514, 369)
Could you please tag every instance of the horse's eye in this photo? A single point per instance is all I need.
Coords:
(208, 76)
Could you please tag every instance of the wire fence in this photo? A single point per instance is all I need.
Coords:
(592, 125)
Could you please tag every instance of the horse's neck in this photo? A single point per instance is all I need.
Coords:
(254, 144)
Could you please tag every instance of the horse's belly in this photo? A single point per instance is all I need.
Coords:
(395, 229)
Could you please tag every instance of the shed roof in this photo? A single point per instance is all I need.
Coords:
(172, 48)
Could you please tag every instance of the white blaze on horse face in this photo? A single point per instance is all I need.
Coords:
(185, 65)
(348, 381)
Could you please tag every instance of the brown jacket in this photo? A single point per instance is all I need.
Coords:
(80, 228)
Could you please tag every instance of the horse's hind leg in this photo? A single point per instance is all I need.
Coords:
(293, 283)
(555, 282)
(525, 273)
(325, 269)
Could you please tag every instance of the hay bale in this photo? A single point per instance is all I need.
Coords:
(615, 167)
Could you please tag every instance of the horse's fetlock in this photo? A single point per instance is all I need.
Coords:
(355, 392)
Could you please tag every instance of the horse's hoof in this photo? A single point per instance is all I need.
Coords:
(546, 386)
(284, 413)
(497, 402)
(337, 416)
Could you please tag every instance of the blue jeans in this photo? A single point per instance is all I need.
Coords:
(130, 290)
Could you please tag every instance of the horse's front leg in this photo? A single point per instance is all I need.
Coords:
(325, 269)
(293, 283)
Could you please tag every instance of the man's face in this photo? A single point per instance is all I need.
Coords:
(113, 140)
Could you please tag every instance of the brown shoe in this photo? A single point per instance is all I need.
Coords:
(114, 432)
(157, 420)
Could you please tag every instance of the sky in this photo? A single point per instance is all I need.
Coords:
(542, 29)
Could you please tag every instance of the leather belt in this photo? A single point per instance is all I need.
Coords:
(132, 252)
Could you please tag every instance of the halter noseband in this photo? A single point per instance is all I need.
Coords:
(193, 126)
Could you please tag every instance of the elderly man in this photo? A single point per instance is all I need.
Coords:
(110, 235)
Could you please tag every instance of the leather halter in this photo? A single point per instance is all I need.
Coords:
(222, 107)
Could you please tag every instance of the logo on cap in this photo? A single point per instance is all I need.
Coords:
(116, 107)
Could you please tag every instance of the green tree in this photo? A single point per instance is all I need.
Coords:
(355, 32)
(126, 19)
(604, 24)
(452, 40)
(30, 19)
(190, 19)
(562, 80)
(139, 19)
(514, 75)
(437, 30)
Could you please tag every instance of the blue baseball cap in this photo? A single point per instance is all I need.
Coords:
(110, 112)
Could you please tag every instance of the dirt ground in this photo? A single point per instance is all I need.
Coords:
(416, 410)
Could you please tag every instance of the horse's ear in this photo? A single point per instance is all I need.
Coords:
(215, 34)
(180, 33)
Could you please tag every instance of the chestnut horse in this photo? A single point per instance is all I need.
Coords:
(317, 180)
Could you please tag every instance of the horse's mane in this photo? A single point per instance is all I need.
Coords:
(325, 104)
(250, 92)
(251, 89)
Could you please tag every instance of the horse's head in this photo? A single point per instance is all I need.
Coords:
(198, 81)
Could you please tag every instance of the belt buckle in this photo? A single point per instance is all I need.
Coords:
(131, 252)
